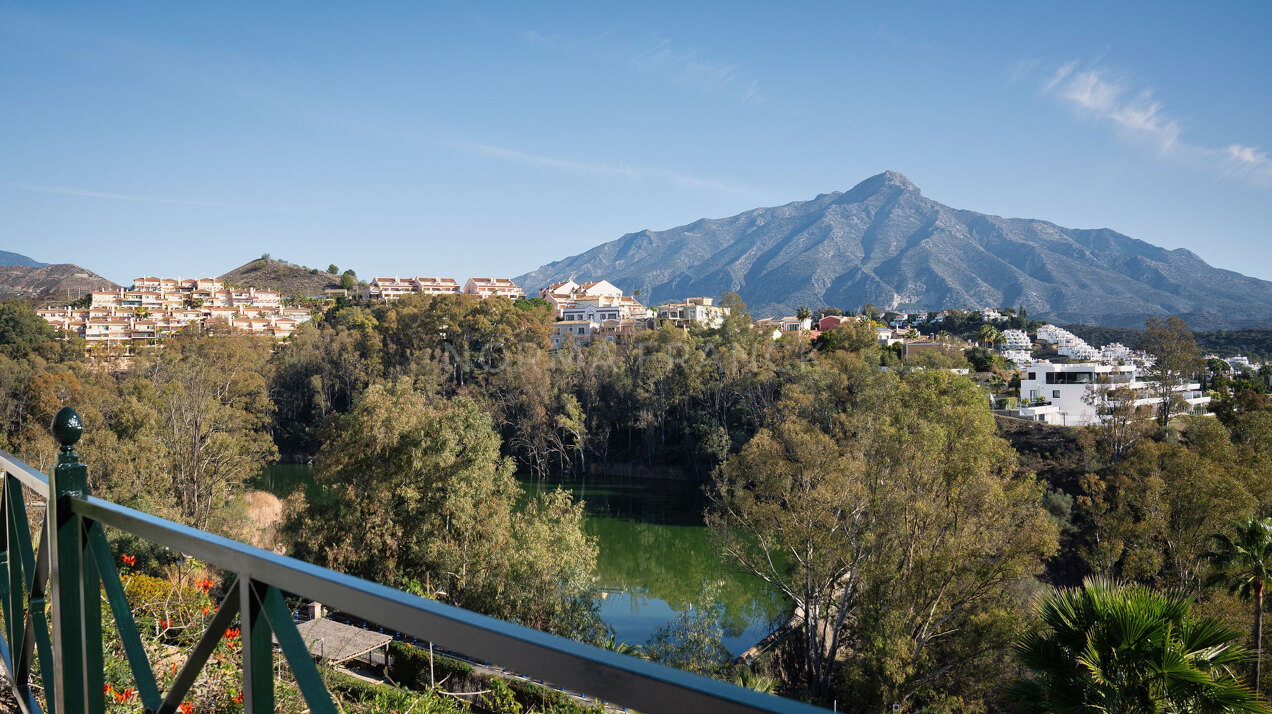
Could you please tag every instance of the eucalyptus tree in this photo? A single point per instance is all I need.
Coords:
(1174, 359)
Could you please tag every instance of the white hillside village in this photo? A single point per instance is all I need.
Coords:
(1060, 374)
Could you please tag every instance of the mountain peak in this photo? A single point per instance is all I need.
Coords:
(885, 180)
(884, 243)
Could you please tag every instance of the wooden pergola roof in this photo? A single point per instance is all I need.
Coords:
(336, 642)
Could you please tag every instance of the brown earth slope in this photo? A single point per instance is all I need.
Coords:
(287, 278)
(59, 283)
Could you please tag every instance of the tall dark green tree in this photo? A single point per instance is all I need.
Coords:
(1175, 359)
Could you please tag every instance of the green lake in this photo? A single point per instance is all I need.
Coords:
(656, 558)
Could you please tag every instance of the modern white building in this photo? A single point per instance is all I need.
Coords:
(1067, 388)
(1067, 344)
(1238, 362)
(1021, 358)
(1016, 340)
(1116, 352)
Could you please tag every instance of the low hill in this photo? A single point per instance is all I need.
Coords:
(7, 258)
(884, 242)
(287, 278)
(1255, 344)
(48, 284)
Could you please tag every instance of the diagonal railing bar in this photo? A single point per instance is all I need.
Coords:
(138, 662)
(6, 576)
(28, 476)
(293, 646)
(20, 529)
(90, 587)
(36, 630)
(203, 649)
(13, 592)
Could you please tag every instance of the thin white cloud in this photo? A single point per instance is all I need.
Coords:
(524, 157)
(1139, 117)
(617, 171)
(91, 193)
(659, 56)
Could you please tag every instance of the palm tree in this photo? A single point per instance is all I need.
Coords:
(1245, 563)
(803, 313)
(989, 335)
(1111, 647)
(613, 645)
(746, 677)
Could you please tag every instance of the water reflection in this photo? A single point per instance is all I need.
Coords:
(656, 560)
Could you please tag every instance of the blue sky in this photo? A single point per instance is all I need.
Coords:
(479, 138)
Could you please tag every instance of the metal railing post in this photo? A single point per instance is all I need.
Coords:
(65, 533)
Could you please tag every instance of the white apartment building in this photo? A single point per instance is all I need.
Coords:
(1021, 358)
(1016, 340)
(157, 307)
(693, 311)
(594, 309)
(1116, 352)
(989, 314)
(559, 294)
(1065, 388)
(385, 288)
(493, 287)
(1067, 344)
(1238, 362)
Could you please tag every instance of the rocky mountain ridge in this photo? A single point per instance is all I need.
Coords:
(884, 242)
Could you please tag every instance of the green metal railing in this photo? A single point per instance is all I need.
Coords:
(72, 564)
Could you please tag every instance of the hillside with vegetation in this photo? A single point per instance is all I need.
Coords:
(267, 273)
(50, 284)
(1255, 344)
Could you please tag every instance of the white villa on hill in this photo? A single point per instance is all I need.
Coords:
(692, 311)
(1058, 393)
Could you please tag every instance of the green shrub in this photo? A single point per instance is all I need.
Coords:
(408, 666)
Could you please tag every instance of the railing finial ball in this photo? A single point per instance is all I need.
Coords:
(67, 427)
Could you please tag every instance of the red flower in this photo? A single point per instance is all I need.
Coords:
(205, 585)
(232, 633)
(130, 560)
(109, 689)
(186, 707)
(165, 624)
(238, 698)
(206, 610)
(124, 695)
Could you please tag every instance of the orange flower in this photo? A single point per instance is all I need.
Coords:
(232, 633)
(238, 698)
(205, 585)
(174, 667)
(206, 610)
(109, 689)
(130, 560)
(186, 707)
(124, 695)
